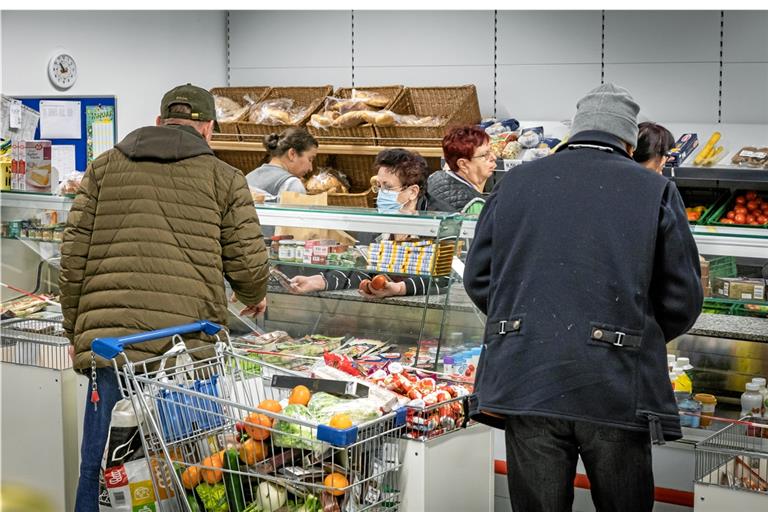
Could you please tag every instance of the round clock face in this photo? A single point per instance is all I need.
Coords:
(62, 70)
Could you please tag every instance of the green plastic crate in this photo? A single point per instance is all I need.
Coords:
(756, 310)
(724, 266)
(713, 218)
(703, 196)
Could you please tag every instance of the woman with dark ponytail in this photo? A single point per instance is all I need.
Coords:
(653, 145)
(290, 157)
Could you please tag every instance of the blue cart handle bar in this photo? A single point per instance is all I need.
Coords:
(109, 348)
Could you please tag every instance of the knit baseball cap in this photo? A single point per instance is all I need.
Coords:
(198, 99)
(608, 108)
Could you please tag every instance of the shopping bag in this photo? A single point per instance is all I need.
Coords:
(126, 483)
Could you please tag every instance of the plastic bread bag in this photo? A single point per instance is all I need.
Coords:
(326, 180)
(71, 183)
(501, 127)
(412, 120)
(371, 98)
(531, 137)
(230, 111)
(277, 111)
(323, 406)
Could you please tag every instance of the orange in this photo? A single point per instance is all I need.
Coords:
(213, 476)
(191, 477)
(271, 406)
(252, 452)
(336, 482)
(340, 421)
(300, 395)
(257, 432)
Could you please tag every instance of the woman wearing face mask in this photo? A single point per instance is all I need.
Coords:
(467, 151)
(653, 143)
(400, 182)
(290, 158)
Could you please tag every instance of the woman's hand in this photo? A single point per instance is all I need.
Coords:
(391, 289)
(307, 284)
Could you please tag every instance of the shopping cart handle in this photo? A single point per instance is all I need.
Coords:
(109, 348)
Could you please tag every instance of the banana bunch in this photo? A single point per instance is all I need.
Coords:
(710, 153)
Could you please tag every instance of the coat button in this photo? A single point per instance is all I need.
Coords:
(598, 334)
(516, 325)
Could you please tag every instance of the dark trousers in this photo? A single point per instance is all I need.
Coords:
(542, 454)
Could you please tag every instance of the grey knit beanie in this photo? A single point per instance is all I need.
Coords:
(608, 108)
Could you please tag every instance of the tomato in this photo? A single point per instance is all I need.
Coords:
(726, 221)
(762, 219)
(741, 200)
(740, 210)
(380, 281)
(752, 205)
(764, 207)
(364, 286)
(740, 218)
(731, 214)
(750, 219)
(751, 195)
(753, 223)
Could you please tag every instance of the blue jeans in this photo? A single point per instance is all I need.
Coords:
(95, 432)
(542, 454)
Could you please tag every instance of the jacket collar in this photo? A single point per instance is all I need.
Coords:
(597, 138)
(164, 143)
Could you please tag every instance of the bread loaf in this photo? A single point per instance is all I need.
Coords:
(351, 119)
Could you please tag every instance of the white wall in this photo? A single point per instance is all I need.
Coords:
(133, 55)
(545, 60)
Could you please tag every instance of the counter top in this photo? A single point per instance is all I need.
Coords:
(730, 326)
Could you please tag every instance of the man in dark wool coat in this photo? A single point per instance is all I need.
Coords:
(586, 268)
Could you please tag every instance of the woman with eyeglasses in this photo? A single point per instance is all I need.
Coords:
(653, 145)
(467, 151)
(400, 185)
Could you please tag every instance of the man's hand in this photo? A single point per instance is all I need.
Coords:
(255, 309)
(307, 284)
(391, 289)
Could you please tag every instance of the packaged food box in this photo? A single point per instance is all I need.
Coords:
(739, 288)
(682, 148)
(37, 165)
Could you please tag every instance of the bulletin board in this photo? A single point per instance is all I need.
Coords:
(82, 157)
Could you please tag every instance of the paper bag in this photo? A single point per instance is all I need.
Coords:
(310, 233)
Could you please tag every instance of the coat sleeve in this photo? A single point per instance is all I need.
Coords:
(477, 270)
(75, 247)
(243, 252)
(676, 291)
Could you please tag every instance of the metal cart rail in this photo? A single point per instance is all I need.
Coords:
(732, 467)
(196, 414)
(34, 342)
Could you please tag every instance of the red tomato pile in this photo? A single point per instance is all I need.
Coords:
(749, 209)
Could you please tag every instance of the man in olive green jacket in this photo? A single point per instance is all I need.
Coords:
(157, 224)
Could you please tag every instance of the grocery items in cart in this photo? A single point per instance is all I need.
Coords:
(251, 441)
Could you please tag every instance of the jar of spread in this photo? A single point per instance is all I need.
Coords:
(287, 250)
(299, 251)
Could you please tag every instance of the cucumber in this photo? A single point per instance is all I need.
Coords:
(232, 481)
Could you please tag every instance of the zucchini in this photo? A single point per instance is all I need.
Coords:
(232, 481)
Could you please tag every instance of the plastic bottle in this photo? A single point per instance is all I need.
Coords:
(708, 403)
(671, 361)
(693, 408)
(760, 381)
(751, 400)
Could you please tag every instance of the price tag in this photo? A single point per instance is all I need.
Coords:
(15, 115)
(509, 164)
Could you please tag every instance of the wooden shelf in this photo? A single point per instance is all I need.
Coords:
(328, 149)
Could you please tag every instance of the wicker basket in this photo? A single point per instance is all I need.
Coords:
(365, 199)
(364, 135)
(236, 94)
(310, 97)
(458, 105)
(357, 168)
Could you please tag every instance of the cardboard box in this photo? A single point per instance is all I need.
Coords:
(37, 175)
(682, 148)
(739, 288)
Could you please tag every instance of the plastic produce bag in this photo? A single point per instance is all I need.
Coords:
(360, 410)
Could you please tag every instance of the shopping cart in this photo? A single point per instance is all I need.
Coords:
(732, 467)
(196, 414)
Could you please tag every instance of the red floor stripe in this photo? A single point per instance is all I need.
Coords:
(661, 495)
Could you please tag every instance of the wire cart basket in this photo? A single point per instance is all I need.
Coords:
(211, 421)
(34, 342)
(732, 467)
